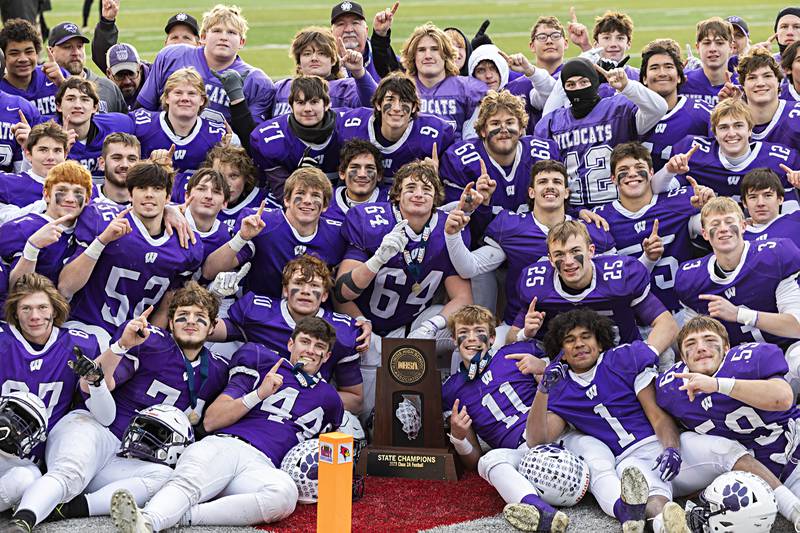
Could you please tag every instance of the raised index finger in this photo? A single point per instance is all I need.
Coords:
(785, 168)
(50, 55)
(261, 208)
(147, 312)
(276, 366)
(505, 56)
(394, 7)
(654, 233)
(692, 182)
(710, 297)
(22, 117)
(691, 151)
(124, 212)
(483, 167)
(340, 48)
(455, 406)
(600, 70)
(772, 38)
(532, 306)
(573, 15)
(435, 155)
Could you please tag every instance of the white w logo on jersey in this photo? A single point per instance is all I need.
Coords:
(640, 226)
(300, 249)
(487, 377)
(510, 190)
(733, 180)
(706, 403)
(592, 392)
(150, 257)
(762, 237)
(730, 292)
(36, 365)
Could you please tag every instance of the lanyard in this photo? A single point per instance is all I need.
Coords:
(190, 376)
(415, 258)
(305, 380)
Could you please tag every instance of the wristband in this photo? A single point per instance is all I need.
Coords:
(462, 446)
(95, 249)
(374, 264)
(725, 385)
(118, 349)
(238, 242)
(30, 252)
(438, 321)
(746, 316)
(251, 399)
(362, 318)
(521, 337)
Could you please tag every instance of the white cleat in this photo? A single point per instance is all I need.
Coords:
(126, 515)
(526, 517)
(674, 519)
(634, 492)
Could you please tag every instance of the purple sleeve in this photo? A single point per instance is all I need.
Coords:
(240, 383)
(149, 95)
(365, 85)
(260, 93)
(125, 370)
(349, 373)
(771, 361)
(648, 309)
(232, 330)
(357, 248)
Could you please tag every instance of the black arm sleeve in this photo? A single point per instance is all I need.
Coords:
(105, 36)
(242, 123)
(383, 56)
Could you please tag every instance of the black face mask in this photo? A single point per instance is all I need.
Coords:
(583, 100)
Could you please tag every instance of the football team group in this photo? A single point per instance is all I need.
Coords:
(199, 266)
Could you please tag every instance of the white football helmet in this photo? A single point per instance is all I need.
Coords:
(159, 434)
(23, 423)
(560, 476)
(736, 502)
(408, 415)
(302, 465)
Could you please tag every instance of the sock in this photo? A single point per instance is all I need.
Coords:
(536, 501)
(78, 507)
(26, 516)
(788, 504)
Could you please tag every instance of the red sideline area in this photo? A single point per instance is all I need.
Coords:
(408, 505)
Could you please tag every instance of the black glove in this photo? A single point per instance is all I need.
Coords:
(607, 65)
(86, 368)
(307, 160)
(232, 82)
(481, 37)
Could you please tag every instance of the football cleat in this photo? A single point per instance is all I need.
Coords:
(634, 499)
(674, 519)
(126, 515)
(527, 517)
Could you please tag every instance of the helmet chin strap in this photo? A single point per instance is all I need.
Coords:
(479, 361)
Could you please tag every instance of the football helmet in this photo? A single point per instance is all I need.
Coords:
(158, 434)
(302, 465)
(560, 476)
(23, 423)
(736, 502)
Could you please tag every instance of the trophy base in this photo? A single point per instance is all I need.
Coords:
(413, 463)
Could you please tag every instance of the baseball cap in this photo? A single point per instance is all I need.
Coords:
(122, 56)
(64, 32)
(345, 8)
(185, 19)
(740, 23)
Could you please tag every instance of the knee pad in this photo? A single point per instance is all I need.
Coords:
(496, 457)
(192, 466)
(155, 478)
(727, 452)
(14, 483)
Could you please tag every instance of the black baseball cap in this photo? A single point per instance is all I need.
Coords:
(345, 8)
(739, 21)
(64, 32)
(185, 19)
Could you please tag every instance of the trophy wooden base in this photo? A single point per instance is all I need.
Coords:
(414, 463)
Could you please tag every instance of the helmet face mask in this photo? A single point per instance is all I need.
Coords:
(23, 423)
(158, 434)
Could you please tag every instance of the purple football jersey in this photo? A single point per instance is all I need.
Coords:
(217, 236)
(278, 243)
(268, 321)
(277, 151)
(712, 169)
(784, 128)
(21, 189)
(766, 433)
(416, 143)
(620, 290)
(784, 226)
(698, 87)
(343, 93)
(673, 210)
(524, 241)
(764, 264)
(288, 416)
(105, 123)
(789, 93)
(133, 272)
(340, 204)
(454, 99)
(10, 106)
(41, 92)
(690, 116)
(154, 133)
(523, 87)
(44, 371)
(586, 145)
(258, 88)
(605, 90)
(390, 301)
(155, 372)
(498, 400)
(605, 404)
(51, 259)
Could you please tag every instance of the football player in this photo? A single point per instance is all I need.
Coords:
(230, 477)
(721, 161)
(272, 238)
(714, 44)
(617, 286)
(740, 393)
(21, 43)
(223, 34)
(607, 393)
(361, 172)
(762, 196)
(208, 193)
(662, 71)
(429, 58)
(546, 46)
(142, 264)
(269, 321)
(316, 53)
(396, 262)
(181, 123)
(519, 238)
(586, 131)
(395, 125)
(658, 229)
(490, 395)
(45, 147)
(750, 286)
(67, 190)
(145, 366)
(120, 152)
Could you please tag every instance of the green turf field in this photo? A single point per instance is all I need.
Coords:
(274, 22)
